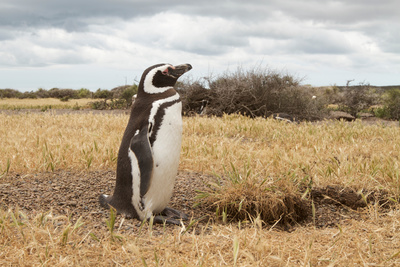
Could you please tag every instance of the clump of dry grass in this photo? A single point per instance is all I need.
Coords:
(242, 196)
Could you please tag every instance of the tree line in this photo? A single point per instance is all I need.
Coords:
(258, 92)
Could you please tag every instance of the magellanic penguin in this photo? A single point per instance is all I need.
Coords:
(148, 157)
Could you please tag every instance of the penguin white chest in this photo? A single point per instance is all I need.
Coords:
(166, 153)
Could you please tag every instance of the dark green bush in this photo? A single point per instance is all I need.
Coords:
(99, 105)
(382, 112)
(84, 93)
(128, 93)
(118, 104)
(103, 93)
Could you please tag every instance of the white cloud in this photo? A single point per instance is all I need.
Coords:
(317, 39)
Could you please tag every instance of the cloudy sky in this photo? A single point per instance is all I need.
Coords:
(104, 43)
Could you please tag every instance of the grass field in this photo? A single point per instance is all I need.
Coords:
(43, 103)
(263, 155)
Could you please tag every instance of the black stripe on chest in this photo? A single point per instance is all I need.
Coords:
(158, 119)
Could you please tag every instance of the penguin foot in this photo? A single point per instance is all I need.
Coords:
(174, 214)
(106, 202)
(171, 216)
(103, 200)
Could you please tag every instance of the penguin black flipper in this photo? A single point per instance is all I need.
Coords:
(140, 146)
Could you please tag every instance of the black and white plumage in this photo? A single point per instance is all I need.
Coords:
(148, 157)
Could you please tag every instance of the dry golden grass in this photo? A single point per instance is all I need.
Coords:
(37, 142)
(40, 103)
(335, 153)
(48, 240)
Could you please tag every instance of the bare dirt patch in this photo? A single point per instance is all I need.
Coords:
(335, 205)
(75, 194)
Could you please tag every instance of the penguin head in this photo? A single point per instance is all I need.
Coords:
(161, 77)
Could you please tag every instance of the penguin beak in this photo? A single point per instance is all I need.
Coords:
(179, 70)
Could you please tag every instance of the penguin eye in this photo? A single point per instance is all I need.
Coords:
(165, 72)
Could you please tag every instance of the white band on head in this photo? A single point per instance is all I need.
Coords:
(148, 86)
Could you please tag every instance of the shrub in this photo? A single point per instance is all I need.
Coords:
(102, 93)
(99, 105)
(9, 93)
(42, 93)
(381, 112)
(193, 95)
(358, 98)
(84, 93)
(30, 95)
(118, 104)
(128, 93)
(332, 94)
(391, 99)
(255, 93)
(117, 91)
(63, 93)
(124, 95)
(64, 99)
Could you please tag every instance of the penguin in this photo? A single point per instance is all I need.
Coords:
(148, 156)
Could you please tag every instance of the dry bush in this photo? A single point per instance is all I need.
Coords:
(391, 99)
(193, 95)
(62, 93)
(358, 98)
(125, 92)
(103, 93)
(118, 98)
(255, 93)
(9, 93)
